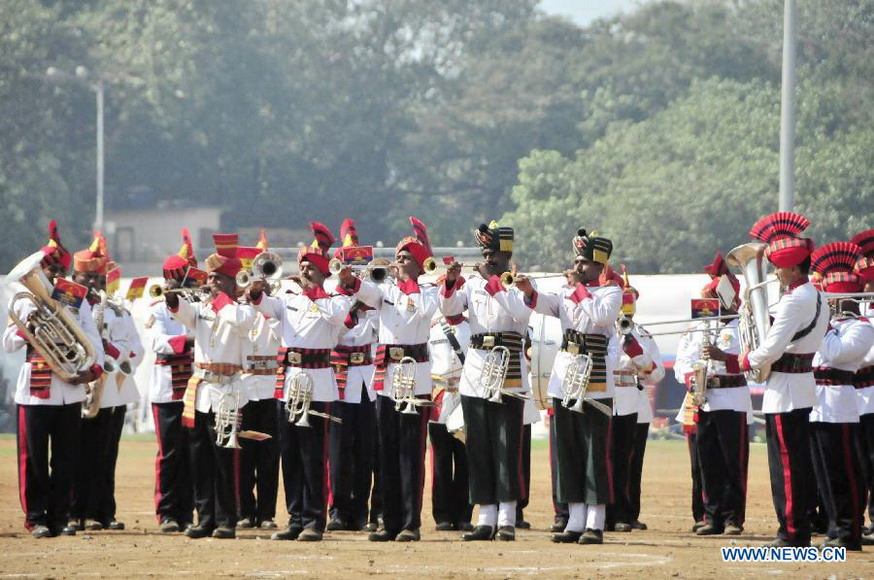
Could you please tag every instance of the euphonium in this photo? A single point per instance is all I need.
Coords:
(227, 421)
(494, 374)
(754, 320)
(49, 329)
(299, 399)
(576, 385)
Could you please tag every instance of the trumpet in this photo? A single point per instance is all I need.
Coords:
(624, 325)
(508, 278)
(158, 291)
(266, 266)
(576, 384)
(376, 272)
(494, 373)
(299, 400)
(227, 421)
(403, 382)
(50, 329)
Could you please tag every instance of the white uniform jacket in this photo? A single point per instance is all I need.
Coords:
(445, 364)
(866, 394)
(498, 311)
(259, 353)
(631, 371)
(843, 348)
(359, 379)
(161, 329)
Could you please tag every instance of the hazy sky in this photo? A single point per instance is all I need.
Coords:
(584, 11)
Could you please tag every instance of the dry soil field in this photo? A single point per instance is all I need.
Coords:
(666, 549)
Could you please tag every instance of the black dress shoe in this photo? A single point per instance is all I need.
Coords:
(76, 525)
(90, 525)
(115, 525)
(566, 537)
(224, 533)
(868, 539)
(246, 523)
(408, 536)
(196, 532)
(381, 536)
(371, 527)
(67, 531)
(336, 526)
(169, 526)
(289, 533)
(506, 533)
(523, 525)
(558, 526)
(41, 532)
(464, 526)
(637, 525)
(310, 535)
(697, 525)
(591, 536)
(479, 533)
(781, 543)
(445, 527)
(622, 527)
(733, 530)
(841, 543)
(710, 530)
(267, 525)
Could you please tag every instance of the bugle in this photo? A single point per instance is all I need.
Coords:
(376, 272)
(266, 266)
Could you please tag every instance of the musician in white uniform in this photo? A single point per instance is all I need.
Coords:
(498, 319)
(723, 435)
(864, 381)
(49, 411)
(835, 417)
(800, 320)
(405, 312)
(639, 361)
(352, 446)
(587, 309)
(309, 327)
(450, 492)
(173, 346)
(221, 326)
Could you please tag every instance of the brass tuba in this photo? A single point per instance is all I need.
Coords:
(754, 320)
(50, 329)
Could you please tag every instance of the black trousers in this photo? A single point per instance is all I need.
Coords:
(174, 489)
(375, 515)
(621, 445)
(449, 477)
(789, 462)
(583, 452)
(89, 491)
(215, 475)
(352, 453)
(866, 457)
(304, 468)
(838, 477)
(561, 509)
(697, 478)
(723, 454)
(259, 461)
(635, 470)
(494, 449)
(116, 426)
(402, 439)
(526, 472)
(45, 489)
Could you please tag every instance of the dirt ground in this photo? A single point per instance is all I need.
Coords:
(666, 549)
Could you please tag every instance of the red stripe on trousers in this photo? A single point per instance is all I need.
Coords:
(326, 460)
(157, 461)
(787, 478)
(423, 442)
(523, 492)
(744, 463)
(22, 461)
(850, 472)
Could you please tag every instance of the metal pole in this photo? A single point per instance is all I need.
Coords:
(787, 110)
(98, 219)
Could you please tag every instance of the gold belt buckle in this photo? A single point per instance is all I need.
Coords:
(573, 348)
(488, 341)
(295, 358)
(396, 353)
(357, 358)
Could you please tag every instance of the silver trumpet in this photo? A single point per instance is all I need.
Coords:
(267, 267)
(299, 400)
(494, 373)
(376, 272)
(576, 385)
(227, 421)
(403, 383)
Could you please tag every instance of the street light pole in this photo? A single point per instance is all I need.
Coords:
(98, 217)
(787, 110)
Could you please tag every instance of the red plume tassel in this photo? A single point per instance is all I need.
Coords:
(782, 224)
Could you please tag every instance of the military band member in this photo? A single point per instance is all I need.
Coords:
(639, 361)
(864, 382)
(834, 421)
(494, 420)
(309, 325)
(221, 326)
(173, 346)
(799, 323)
(259, 460)
(352, 449)
(722, 431)
(49, 411)
(687, 417)
(405, 312)
(588, 311)
(638, 451)
(450, 495)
